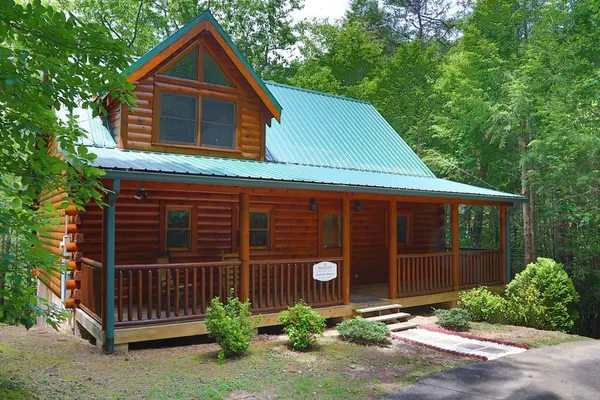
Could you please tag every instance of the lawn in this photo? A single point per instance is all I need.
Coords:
(44, 364)
(519, 334)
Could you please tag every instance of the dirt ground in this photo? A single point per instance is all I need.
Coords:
(44, 364)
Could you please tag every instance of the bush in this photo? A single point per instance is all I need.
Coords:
(456, 319)
(362, 331)
(302, 324)
(482, 304)
(542, 296)
(230, 324)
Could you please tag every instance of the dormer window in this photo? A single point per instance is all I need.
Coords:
(196, 107)
(186, 67)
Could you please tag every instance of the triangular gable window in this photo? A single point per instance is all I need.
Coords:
(184, 68)
(213, 73)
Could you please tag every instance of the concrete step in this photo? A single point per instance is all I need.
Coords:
(402, 326)
(378, 308)
(389, 317)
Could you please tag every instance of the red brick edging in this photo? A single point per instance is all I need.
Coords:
(467, 336)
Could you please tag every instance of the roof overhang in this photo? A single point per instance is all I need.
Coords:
(440, 196)
(204, 22)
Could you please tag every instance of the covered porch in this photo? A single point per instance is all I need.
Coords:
(154, 298)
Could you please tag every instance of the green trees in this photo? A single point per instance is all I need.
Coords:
(48, 60)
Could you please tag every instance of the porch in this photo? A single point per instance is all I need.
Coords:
(384, 249)
(151, 300)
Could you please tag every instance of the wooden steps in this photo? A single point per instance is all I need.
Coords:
(402, 326)
(389, 314)
(389, 317)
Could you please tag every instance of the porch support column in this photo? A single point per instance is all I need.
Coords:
(393, 251)
(503, 241)
(346, 250)
(109, 266)
(244, 246)
(455, 247)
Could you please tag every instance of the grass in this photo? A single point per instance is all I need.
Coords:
(43, 364)
(518, 334)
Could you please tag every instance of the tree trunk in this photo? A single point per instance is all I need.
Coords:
(529, 248)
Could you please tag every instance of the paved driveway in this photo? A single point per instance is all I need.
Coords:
(567, 371)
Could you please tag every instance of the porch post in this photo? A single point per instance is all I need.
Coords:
(244, 246)
(393, 251)
(109, 266)
(455, 247)
(346, 250)
(503, 240)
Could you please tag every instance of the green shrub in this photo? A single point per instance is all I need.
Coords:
(302, 324)
(482, 304)
(230, 324)
(362, 331)
(456, 319)
(542, 296)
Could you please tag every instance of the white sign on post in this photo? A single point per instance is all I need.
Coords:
(324, 271)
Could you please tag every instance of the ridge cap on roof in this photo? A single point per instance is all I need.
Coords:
(337, 96)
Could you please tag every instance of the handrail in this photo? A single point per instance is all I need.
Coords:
(415, 255)
(231, 263)
(91, 263)
(296, 260)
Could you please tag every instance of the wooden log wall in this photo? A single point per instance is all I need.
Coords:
(135, 128)
(65, 222)
(138, 224)
(296, 227)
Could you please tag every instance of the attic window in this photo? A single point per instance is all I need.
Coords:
(213, 73)
(184, 68)
(178, 119)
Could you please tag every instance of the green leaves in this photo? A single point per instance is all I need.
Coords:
(48, 59)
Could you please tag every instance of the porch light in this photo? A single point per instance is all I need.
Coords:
(141, 194)
(313, 204)
(358, 206)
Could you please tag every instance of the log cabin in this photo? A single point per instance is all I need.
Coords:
(222, 182)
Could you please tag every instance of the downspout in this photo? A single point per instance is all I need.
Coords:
(509, 213)
(109, 265)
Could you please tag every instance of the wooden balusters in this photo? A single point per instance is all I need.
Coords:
(163, 292)
(277, 284)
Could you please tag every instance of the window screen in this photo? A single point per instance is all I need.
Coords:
(213, 73)
(402, 229)
(332, 231)
(218, 124)
(178, 119)
(185, 68)
(259, 229)
(178, 229)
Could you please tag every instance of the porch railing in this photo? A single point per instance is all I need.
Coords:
(480, 267)
(424, 273)
(432, 272)
(91, 288)
(276, 284)
(151, 293)
(157, 293)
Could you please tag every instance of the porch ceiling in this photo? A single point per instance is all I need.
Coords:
(167, 167)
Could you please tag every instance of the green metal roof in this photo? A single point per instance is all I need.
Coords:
(166, 167)
(205, 16)
(332, 131)
(96, 128)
